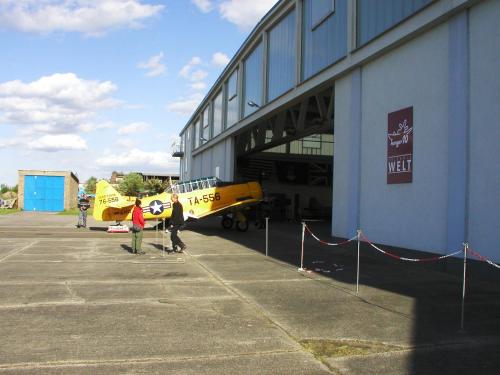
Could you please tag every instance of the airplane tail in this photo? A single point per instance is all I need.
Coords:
(255, 190)
(106, 197)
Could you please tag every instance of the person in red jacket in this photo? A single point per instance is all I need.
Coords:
(137, 227)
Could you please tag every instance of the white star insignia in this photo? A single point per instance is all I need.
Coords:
(156, 208)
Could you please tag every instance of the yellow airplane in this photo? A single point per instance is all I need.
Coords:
(200, 198)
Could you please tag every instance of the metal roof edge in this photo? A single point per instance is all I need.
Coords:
(237, 57)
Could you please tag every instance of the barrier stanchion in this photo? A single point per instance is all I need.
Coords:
(466, 247)
(302, 252)
(163, 238)
(156, 233)
(357, 266)
(267, 235)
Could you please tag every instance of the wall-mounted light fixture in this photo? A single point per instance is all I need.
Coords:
(253, 104)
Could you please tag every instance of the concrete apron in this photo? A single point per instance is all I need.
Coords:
(84, 304)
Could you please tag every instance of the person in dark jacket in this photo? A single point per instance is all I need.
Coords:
(137, 227)
(83, 206)
(176, 223)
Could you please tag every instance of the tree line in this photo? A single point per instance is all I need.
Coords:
(4, 188)
(132, 185)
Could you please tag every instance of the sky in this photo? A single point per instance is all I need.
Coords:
(93, 86)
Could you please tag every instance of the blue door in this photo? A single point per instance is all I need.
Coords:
(43, 193)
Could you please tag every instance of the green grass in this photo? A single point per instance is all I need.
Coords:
(75, 212)
(6, 211)
(341, 348)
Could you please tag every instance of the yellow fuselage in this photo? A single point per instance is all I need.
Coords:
(111, 206)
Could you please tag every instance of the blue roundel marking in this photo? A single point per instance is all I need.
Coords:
(156, 207)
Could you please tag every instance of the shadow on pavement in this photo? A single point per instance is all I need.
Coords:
(434, 288)
(126, 248)
(99, 229)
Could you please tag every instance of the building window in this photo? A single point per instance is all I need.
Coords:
(324, 36)
(217, 106)
(206, 126)
(375, 17)
(320, 11)
(197, 134)
(281, 57)
(232, 106)
(253, 66)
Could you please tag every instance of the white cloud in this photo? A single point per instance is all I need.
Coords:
(6, 143)
(90, 127)
(134, 106)
(59, 142)
(134, 127)
(186, 106)
(245, 13)
(90, 17)
(153, 65)
(198, 86)
(135, 159)
(60, 103)
(186, 69)
(125, 143)
(203, 5)
(220, 59)
(198, 75)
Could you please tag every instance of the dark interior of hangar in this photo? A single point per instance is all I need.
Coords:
(291, 154)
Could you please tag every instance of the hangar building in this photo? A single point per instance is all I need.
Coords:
(381, 114)
(47, 190)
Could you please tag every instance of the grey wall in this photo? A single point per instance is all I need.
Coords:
(394, 214)
(484, 179)
(221, 155)
(455, 193)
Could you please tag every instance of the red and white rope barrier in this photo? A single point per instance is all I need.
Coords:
(429, 259)
(483, 258)
(361, 237)
(329, 243)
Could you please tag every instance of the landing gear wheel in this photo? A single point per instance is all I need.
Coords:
(242, 226)
(227, 222)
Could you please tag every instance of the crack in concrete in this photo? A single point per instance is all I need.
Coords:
(133, 361)
(257, 308)
(72, 293)
(17, 251)
(152, 301)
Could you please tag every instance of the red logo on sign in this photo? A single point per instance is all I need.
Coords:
(400, 146)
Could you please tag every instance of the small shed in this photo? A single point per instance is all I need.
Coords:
(47, 190)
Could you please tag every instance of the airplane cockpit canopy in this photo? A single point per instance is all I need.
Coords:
(192, 185)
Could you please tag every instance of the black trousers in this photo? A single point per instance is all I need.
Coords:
(176, 241)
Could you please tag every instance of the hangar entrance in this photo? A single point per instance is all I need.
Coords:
(291, 154)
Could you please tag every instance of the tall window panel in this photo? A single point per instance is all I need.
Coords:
(206, 125)
(281, 57)
(197, 134)
(232, 104)
(324, 37)
(252, 93)
(217, 106)
(375, 17)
